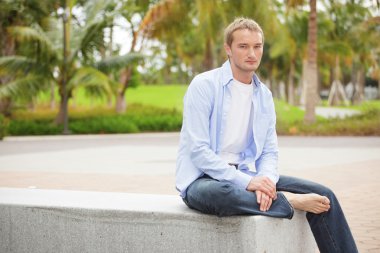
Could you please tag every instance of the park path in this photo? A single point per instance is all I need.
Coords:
(145, 163)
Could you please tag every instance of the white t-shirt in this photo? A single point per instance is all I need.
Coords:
(238, 127)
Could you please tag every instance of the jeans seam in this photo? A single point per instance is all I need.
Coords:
(328, 233)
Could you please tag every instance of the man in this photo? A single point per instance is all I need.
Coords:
(227, 159)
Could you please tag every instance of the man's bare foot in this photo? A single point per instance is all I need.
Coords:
(311, 202)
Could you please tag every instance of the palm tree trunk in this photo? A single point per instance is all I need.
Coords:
(291, 83)
(208, 58)
(52, 96)
(311, 71)
(359, 86)
(125, 77)
(59, 119)
(303, 82)
(121, 104)
(63, 117)
(8, 49)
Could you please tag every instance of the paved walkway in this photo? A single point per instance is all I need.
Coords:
(145, 163)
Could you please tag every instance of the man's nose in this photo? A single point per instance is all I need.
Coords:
(251, 52)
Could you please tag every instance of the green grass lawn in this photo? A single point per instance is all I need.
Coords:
(163, 96)
(159, 108)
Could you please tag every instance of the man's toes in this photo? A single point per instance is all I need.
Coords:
(326, 200)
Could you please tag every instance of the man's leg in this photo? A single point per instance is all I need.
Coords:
(330, 228)
(210, 196)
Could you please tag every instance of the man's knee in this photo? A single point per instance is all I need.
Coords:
(325, 191)
(212, 196)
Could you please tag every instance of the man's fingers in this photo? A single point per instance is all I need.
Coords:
(264, 202)
(258, 197)
(270, 191)
(269, 203)
(270, 187)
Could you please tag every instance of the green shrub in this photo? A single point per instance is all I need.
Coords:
(365, 124)
(145, 118)
(33, 127)
(99, 125)
(138, 118)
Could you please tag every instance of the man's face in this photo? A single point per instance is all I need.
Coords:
(245, 51)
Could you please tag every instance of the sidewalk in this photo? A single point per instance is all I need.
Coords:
(145, 163)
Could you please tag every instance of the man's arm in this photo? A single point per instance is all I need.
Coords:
(198, 107)
(264, 183)
(268, 161)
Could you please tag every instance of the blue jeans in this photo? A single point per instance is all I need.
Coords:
(330, 229)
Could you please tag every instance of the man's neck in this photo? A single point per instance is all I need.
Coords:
(241, 76)
(246, 79)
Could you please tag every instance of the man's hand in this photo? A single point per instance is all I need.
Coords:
(264, 185)
(264, 200)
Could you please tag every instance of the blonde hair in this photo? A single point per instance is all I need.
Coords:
(241, 24)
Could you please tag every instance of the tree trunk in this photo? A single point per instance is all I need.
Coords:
(303, 82)
(359, 86)
(52, 96)
(208, 58)
(337, 93)
(59, 119)
(125, 77)
(6, 106)
(63, 114)
(7, 44)
(121, 104)
(312, 72)
(334, 94)
(291, 83)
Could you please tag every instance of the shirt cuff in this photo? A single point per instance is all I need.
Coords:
(273, 178)
(242, 179)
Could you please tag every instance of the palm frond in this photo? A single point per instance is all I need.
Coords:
(17, 65)
(11, 65)
(94, 8)
(336, 47)
(35, 35)
(94, 81)
(26, 87)
(118, 62)
(157, 13)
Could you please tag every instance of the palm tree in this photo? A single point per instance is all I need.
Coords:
(17, 13)
(128, 10)
(311, 68)
(41, 61)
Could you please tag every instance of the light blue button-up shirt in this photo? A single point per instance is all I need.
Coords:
(206, 106)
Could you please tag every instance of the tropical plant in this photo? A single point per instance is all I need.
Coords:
(17, 12)
(64, 54)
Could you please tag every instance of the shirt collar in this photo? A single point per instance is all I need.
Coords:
(227, 76)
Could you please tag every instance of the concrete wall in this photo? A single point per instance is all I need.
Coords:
(70, 221)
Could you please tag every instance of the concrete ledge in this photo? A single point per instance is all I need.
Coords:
(34, 220)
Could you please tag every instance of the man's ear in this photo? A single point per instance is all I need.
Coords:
(227, 49)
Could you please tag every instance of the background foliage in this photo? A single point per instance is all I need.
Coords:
(66, 57)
